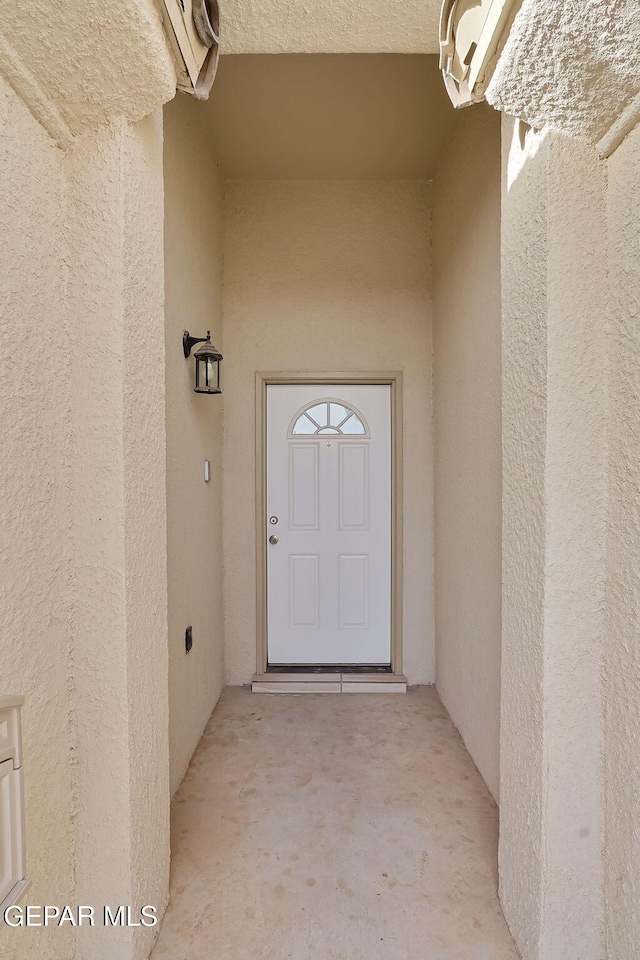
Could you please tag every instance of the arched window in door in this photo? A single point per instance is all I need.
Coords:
(328, 417)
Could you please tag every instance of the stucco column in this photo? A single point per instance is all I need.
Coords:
(118, 529)
(572, 66)
(622, 667)
(554, 279)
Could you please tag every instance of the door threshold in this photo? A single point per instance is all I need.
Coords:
(333, 668)
(329, 683)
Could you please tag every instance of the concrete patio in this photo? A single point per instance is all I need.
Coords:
(351, 827)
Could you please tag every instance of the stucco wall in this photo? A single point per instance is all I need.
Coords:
(554, 283)
(468, 433)
(117, 526)
(81, 66)
(326, 276)
(286, 26)
(84, 538)
(574, 67)
(36, 645)
(193, 300)
(622, 661)
(84, 608)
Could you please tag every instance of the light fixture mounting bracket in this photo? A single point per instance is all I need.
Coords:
(189, 342)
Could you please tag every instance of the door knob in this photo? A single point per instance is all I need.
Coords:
(273, 539)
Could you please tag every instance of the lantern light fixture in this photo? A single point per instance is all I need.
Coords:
(207, 359)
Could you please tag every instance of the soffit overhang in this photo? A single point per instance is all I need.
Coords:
(572, 66)
(80, 65)
(329, 26)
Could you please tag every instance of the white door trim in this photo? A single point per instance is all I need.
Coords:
(394, 381)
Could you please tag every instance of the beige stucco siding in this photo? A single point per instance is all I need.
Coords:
(468, 439)
(622, 660)
(326, 276)
(83, 519)
(35, 647)
(573, 67)
(289, 26)
(193, 300)
(554, 282)
(117, 591)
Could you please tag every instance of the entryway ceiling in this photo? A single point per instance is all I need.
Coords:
(328, 116)
(330, 26)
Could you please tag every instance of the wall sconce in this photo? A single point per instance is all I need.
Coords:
(207, 362)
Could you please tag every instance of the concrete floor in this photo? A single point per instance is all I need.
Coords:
(349, 827)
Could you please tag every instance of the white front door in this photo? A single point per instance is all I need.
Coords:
(328, 524)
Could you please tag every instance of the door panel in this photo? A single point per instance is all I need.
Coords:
(354, 486)
(304, 591)
(354, 592)
(329, 559)
(304, 486)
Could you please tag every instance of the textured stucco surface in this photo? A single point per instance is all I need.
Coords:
(145, 544)
(319, 276)
(36, 646)
(118, 533)
(468, 433)
(292, 26)
(84, 548)
(81, 65)
(554, 497)
(326, 276)
(574, 66)
(193, 299)
(96, 501)
(623, 554)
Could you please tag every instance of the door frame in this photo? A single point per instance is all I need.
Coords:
(391, 379)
